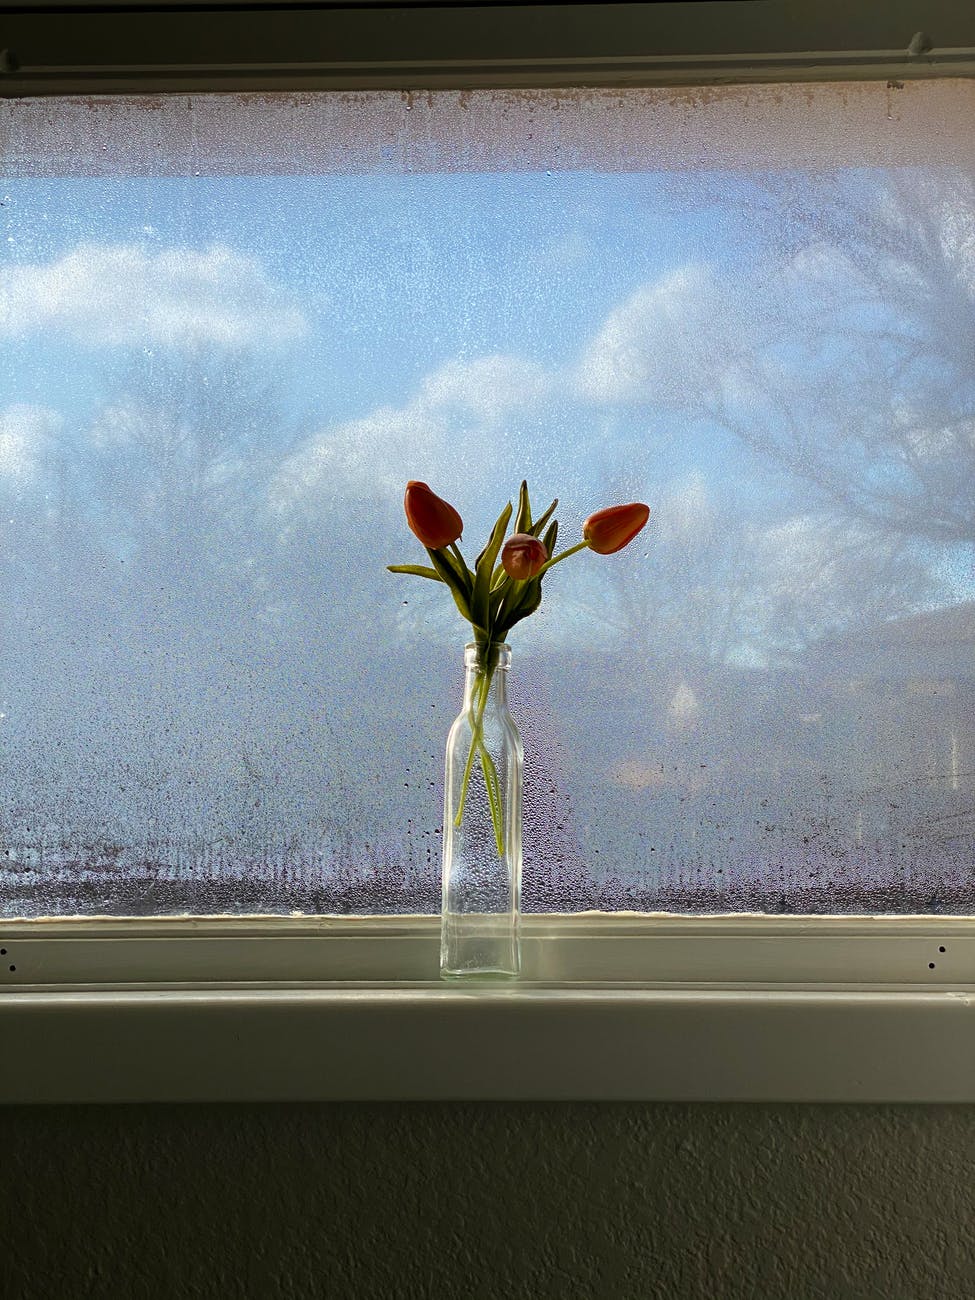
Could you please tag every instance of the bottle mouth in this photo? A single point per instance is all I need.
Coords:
(475, 656)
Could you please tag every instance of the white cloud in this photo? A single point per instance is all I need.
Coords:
(109, 294)
(823, 265)
(684, 511)
(364, 457)
(932, 442)
(665, 344)
(437, 435)
(795, 553)
(827, 567)
(486, 390)
(23, 430)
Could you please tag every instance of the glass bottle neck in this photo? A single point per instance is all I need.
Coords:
(477, 661)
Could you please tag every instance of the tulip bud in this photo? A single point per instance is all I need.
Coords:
(522, 556)
(609, 530)
(434, 521)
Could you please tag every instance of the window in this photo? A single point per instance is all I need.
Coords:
(236, 325)
(235, 322)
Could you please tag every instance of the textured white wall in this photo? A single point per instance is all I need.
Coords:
(481, 1201)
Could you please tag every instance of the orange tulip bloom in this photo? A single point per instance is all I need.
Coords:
(609, 530)
(434, 521)
(523, 555)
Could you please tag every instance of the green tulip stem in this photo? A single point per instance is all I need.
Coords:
(458, 557)
(557, 559)
(479, 698)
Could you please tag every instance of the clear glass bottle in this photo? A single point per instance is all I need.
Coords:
(482, 826)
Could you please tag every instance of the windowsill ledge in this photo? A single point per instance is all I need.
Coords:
(618, 1008)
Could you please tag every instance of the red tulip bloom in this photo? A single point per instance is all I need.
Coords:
(434, 521)
(523, 556)
(609, 530)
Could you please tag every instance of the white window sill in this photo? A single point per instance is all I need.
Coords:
(613, 1007)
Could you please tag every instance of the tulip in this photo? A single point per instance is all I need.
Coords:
(522, 556)
(492, 604)
(609, 530)
(434, 521)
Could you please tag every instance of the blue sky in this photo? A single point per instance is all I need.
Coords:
(467, 328)
(395, 274)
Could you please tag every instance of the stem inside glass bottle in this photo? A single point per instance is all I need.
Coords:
(483, 677)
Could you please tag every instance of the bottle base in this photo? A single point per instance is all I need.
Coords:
(479, 947)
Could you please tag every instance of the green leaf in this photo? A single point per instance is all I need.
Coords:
(526, 602)
(420, 570)
(499, 593)
(460, 569)
(548, 541)
(448, 574)
(539, 524)
(501, 525)
(480, 613)
(534, 599)
(523, 520)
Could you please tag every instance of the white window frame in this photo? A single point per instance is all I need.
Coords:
(617, 1006)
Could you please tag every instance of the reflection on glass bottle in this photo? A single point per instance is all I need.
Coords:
(482, 826)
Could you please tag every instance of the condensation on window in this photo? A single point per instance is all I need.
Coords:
(233, 327)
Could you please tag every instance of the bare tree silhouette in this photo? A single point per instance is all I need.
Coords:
(861, 381)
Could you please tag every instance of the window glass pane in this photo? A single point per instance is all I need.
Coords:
(234, 326)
